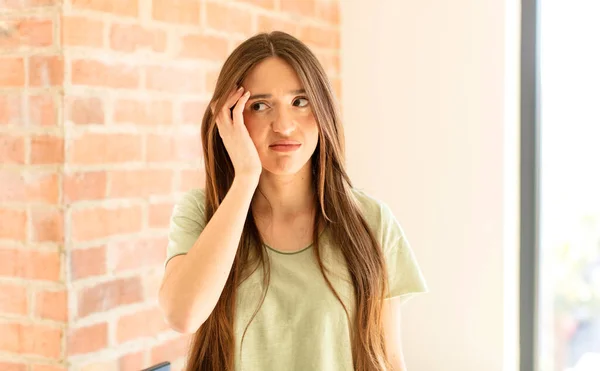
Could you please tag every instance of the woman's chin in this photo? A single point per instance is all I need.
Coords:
(281, 171)
(283, 168)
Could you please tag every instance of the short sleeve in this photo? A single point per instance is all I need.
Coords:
(404, 274)
(186, 223)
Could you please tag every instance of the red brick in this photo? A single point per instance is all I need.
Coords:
(47, 224)
(204, 46)
(267, 4)
(330, 63)
(229, 19)
(13, 224)
(329, 11)
(109, 295)
(171, 349)
(47, 368)
(51, 305)
(46, 70)
(144, 323)
(20, 4)
(5, 366)
(30, 264)
(211, 80)
(129, 38)
(192, 179)
(87, 339)
(94, 223)
(12, 72)
(36, 32)
(152, 283)
(13, 299)
(159, 215)
(47, 149)
(118, 7)
(94, 148)
(143, 112)
(176, 11)
(193, 112)
(176, 80)
(96, 73)
(132, 362)
(100, 365)
(168, 149)
(320, 37)
(39, 340)
(304, 8)
(28, 32)
(88, 262)
(84, 186)
(86, 110)
(12, 107)
(29, 187)
(42, 110)
(136, 254)
(82, 31)
(188, 147)
(12, 149)
(139, 183)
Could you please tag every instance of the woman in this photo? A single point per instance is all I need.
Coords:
(279, 264)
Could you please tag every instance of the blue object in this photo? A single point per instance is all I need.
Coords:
(165, 366)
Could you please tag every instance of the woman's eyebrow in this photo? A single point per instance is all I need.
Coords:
(266, 96)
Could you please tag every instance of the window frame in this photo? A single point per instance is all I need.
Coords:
(529, 187)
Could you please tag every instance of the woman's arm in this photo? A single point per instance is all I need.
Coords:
(391, 326)
(193, 282)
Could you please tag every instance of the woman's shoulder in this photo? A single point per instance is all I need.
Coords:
(195, 193)
(372, 208)
(191, 200)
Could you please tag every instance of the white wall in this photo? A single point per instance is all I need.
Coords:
(430, 106)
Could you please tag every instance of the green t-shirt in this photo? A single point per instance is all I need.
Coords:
(301, 325)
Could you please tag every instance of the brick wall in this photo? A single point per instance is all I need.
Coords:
(100, 110)
(33, 304)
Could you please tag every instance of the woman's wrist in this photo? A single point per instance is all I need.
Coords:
(248, 182)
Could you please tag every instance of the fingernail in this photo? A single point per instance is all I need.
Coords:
(247, 92)
(241, 88)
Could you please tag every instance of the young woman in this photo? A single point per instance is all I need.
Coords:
(279, 263)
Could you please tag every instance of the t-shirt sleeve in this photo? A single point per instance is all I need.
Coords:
(186, 223)
(405, 278)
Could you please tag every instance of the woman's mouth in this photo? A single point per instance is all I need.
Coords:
(285, 146)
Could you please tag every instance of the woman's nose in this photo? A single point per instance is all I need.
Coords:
(284, 122)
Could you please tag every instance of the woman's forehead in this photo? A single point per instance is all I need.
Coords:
(272, 76)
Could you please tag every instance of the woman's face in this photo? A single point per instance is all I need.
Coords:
(279, 117)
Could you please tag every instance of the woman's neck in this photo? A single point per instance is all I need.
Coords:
(283, 196)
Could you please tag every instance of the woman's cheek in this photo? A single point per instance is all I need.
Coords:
(249, 121)
(254, 128)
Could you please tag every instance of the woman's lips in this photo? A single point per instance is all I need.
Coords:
(285, 147)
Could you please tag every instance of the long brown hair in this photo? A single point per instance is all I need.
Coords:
(214, 342)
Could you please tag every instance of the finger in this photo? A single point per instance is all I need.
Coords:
(224, 126)
(239, 108)
(224, 119)
(230, 102)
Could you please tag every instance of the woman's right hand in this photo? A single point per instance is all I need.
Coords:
(235, 136)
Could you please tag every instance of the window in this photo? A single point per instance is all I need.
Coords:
(560, 258)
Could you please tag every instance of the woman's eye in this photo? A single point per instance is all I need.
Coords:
(257, 106)
(301, 102)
